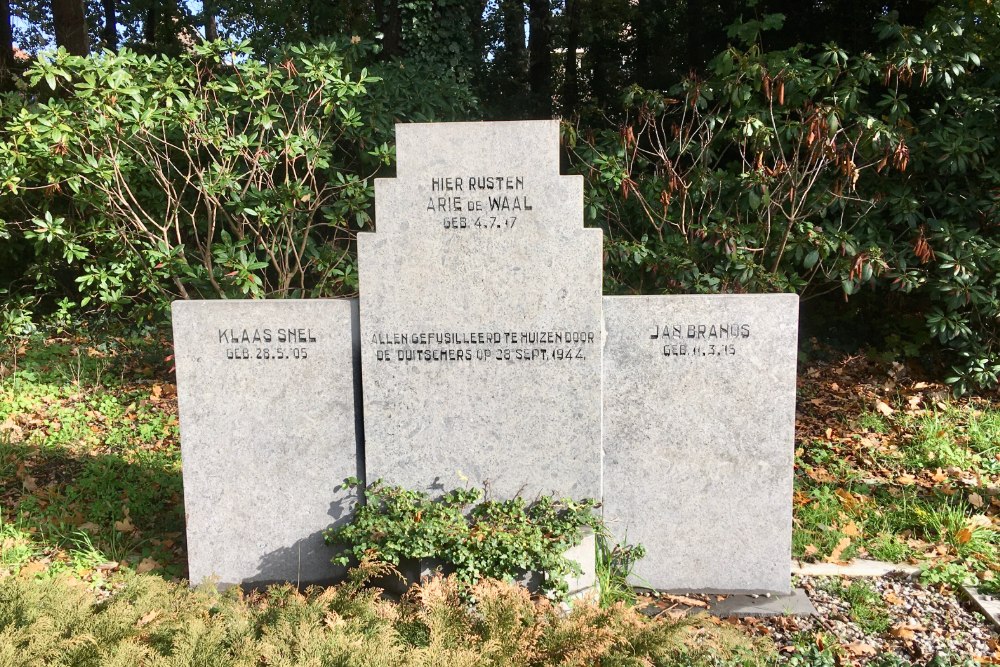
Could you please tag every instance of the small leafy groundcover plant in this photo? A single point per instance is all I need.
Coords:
(497, 539)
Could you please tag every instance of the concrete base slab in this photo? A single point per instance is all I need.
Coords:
(988, 604)
(795, 604)
(856, 568)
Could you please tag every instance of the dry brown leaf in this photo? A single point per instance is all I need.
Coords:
(884, 408)
(906, 631)
(125, 525)
(147, 618)
(821, 475)
(858, 649)
(851, 530)
(906, 480)
(686, 601)
(810, 550)
(976, 500)
(939, 476)
(846, 497)
(892, 598)
(835, 555)
(33, 568)
(147, 565)
(89, 526)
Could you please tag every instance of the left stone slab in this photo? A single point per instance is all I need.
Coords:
(268, 393)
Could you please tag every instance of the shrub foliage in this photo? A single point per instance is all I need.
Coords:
(815, 170)
(211, 174)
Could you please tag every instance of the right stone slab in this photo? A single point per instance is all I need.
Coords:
(699, 424)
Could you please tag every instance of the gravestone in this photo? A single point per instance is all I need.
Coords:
(699, 418)
(269, 430)
(481, 315)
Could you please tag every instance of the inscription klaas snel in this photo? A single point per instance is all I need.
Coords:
(267, 343)
(481, 346)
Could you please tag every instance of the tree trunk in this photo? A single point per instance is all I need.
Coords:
(109, 35)
(540, 55)
(149, 24)
(6, 47)
(391, 24)
(477, 9)
(571, 84)
(693, 23)
(515, 54)
(70, 23)
(211, 24)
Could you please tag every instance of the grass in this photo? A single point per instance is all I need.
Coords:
(151, 621)
(91, 498)
(910, 481)
(90, 463)
(867, 608)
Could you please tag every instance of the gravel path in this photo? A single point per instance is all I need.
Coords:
(913, 621)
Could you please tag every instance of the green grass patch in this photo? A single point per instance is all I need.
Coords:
(90, 464)
(867, 608)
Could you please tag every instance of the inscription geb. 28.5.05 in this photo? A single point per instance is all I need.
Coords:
(267, 343)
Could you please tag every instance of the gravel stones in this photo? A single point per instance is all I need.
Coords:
(922, 622)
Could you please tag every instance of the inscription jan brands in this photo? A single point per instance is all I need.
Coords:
(455, 346)
(267, 343)
(700, 340)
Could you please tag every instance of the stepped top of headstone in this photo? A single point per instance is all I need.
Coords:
(462, 182)
(451, 149)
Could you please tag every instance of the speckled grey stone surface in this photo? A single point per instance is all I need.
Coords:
(699, 419)
(267, 399)
(481, 315)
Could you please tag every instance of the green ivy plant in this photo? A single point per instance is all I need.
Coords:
(498, 539)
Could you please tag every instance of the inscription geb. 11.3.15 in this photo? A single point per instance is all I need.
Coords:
(267, 343)
(700, 340)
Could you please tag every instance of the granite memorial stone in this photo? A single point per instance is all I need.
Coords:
(481, 315)
(699, 418)
(268, 418)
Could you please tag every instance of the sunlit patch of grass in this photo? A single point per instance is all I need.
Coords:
(867, 608)
(936, 442)
(889, 547)
(819, 520)
(92, 461)
(872, 421)
(16, 546)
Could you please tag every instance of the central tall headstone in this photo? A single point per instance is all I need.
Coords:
(481, 316)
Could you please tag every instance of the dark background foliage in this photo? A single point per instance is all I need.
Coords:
(844, 150)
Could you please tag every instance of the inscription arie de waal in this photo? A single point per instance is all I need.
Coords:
(700, 340)
(267, 343)
(490, 202)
